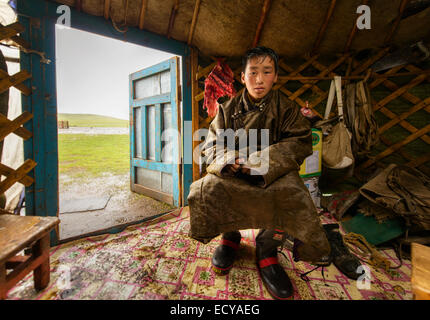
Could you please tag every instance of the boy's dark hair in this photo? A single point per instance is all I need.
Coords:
(260, 52)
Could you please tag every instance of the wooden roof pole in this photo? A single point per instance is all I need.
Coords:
(353, 31)
(397, 146)
(323, 27)
(396, 22)
(107, 9)
(125, 13)
(263, 16)
(78, 5)
(142, 14)
(172, 18)
(193, 22)
(354, 77)
(419, 161)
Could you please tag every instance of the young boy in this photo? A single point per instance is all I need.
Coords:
(236, 194)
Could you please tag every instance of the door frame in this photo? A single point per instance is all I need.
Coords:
(39, 18)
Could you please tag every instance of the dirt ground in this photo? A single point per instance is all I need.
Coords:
(123, 206)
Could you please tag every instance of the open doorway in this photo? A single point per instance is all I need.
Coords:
(94, 127)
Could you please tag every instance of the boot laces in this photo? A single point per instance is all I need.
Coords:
(304, 275)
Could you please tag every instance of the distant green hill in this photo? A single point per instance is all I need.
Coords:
(91, 120)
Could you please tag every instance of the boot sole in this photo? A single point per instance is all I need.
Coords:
(347, 274)
(221, 271)
(274, 296)
(278, 298)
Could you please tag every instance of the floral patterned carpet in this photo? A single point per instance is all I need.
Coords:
(157, 260)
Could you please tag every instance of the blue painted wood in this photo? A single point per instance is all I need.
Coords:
(143, 117)
(99, 25)
(153, 165)
(158, 132)
(187, 136)
(176, 177)
(42, 197)
(162, 98)
(131, 132)
(163, 66)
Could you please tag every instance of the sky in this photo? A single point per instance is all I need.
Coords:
(92, 72)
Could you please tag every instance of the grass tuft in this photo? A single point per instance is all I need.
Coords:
(87, 156)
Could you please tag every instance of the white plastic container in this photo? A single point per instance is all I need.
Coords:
(312, 185)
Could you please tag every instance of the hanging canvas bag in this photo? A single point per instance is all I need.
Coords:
(360, 119)
(336, 145)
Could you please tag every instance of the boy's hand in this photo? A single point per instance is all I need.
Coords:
(241, 162)
(231, 169)
(234, 168)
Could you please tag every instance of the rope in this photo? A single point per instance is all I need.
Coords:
(115, 25)
(366, 252)
(43, 58)
(29, 51)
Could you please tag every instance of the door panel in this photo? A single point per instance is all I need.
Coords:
(155, 149)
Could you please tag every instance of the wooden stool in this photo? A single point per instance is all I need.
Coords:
(16, 234)
(420, 278)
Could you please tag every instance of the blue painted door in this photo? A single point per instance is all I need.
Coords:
(155, 159)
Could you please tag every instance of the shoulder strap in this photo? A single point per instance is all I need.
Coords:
(335, 87)
(338, 84)
(329, 100)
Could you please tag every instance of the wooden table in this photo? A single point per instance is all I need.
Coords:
(16, 234)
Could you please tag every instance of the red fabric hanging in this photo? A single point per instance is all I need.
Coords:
(218, 83)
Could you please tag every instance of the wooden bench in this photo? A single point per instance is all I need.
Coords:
(16, 234)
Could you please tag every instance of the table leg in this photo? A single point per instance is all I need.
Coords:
(42, 272)
(3, 291)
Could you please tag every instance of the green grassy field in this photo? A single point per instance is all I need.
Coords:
(86, 156)
(91, 120)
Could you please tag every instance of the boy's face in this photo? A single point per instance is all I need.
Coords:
(259, 76)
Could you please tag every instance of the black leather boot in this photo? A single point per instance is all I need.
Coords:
(274, 277)
(344, 260)
(225, 254)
